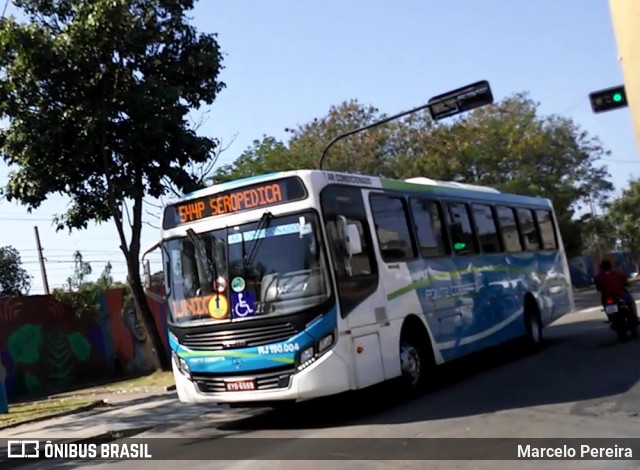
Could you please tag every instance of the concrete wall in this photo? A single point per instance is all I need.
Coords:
(46, 348)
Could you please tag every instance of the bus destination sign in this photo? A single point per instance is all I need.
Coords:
(256, 196)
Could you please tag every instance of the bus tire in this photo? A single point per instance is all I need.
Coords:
(416, 359)
(533, 323)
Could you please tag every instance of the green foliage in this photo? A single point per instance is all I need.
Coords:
(106, 279)
(97, 95)
(14, 279)
(81, 296)
(24, 344)
(598, 234)
(83, 303)
(622, 218)
(157, 278)
(507, 145)
(81, 270)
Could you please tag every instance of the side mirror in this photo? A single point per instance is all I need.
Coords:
(354, 246)
(146, 277)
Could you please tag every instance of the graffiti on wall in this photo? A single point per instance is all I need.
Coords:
(45, 348)
(584, 268)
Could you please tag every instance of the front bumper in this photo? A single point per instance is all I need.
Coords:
(329, 375)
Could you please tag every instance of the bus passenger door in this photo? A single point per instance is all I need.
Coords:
(360, 298)
(405, 277)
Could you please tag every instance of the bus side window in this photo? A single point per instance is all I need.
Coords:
(462, 233)
(485, 223)
(432, 238)
(528, 229)
(392, 228)
(356, 276)
(547, 232)
(509, 229)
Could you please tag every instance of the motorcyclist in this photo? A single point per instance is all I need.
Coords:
(614, 283)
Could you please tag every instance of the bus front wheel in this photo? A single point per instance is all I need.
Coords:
(414, 364)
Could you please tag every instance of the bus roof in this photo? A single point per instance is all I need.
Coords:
(445, 188)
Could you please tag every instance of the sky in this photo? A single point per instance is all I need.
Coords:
(287, 62)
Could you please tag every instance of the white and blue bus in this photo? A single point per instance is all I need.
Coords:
(302, 284)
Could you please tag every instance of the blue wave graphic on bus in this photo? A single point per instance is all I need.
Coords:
(476, 302)
(259, 357)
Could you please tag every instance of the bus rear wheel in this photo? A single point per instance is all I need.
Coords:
(535, 338)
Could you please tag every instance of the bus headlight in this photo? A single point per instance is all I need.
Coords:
(306, 355)
(183, 367)
(309, 355)
(325, 343)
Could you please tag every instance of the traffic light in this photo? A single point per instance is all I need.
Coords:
(608, 99)
(460, 100)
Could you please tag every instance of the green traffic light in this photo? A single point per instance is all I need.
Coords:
(617, 97)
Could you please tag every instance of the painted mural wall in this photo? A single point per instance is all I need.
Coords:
(584, 268)
(47, 349)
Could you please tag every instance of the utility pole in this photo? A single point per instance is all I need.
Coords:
(43, 270)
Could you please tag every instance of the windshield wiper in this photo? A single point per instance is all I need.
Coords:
(262, 225)
(199, 245)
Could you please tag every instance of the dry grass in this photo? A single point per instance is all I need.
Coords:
(25, 412)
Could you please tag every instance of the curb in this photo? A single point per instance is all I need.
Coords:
(115, 391)
(60, 414)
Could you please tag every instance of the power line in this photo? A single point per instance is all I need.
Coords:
(620, 161)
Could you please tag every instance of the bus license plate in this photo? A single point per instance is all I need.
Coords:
(240, 385)
(611, 308)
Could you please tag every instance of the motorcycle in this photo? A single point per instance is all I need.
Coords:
(621, 318)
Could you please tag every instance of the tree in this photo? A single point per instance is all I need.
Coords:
(157, 278)
(106, 279)
(81, 270)
(14, 279)
(622, 215)
(97, 94)
(200, 173)
(266, 153)
(506, 145)
(369, 152)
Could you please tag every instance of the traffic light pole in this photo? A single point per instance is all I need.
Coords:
(442, 106)
(364, 128)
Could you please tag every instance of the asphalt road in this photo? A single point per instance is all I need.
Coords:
(586, 298)
(584, 384)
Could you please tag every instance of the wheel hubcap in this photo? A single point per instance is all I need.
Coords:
(410, 363)
(535, 330)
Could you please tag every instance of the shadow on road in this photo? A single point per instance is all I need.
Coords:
(578, 364)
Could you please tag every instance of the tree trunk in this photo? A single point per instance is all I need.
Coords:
(145, 314)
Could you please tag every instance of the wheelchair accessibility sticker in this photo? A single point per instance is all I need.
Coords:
(244, 304)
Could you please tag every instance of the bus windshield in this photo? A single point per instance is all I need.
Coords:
(273, 266)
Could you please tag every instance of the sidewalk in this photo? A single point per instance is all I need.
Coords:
(124, 412)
